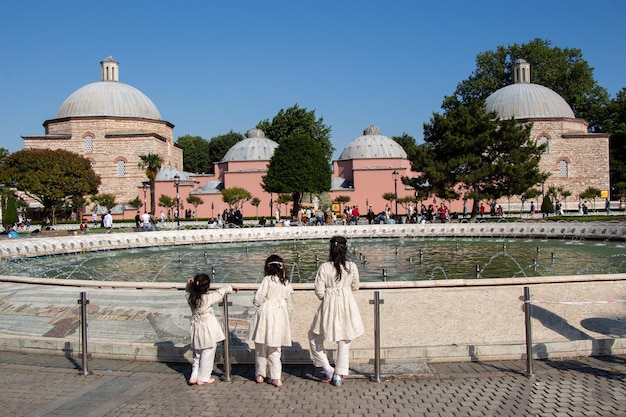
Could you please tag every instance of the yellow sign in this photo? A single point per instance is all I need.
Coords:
(604, 194)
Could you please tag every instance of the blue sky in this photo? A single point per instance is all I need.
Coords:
(215, 66)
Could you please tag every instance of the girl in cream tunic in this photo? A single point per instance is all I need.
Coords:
(270, 328)
(205, 331)
(337, 318)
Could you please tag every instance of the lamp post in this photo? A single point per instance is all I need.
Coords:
(145, 188)
(176, 213)
(212, 207)
(395, 177)
(271, 207)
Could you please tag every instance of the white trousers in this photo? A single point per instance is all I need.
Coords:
(320, 359)
(202, 366)
(268, 354)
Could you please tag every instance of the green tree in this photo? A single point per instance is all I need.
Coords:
(51, 177)
(151, 163)
(284, 199)
(104, 200)
(342, 199)
(9, 216)
(408, 144)
(167, 202)
(470, 153)
(219, 145)
(299, 165)
(255, 202)
(591, 193)
(235, 196)
(529, 195)
(195, 201)
(135, 202)
(615, 124)
(296, 121)
(196, 154)
(3, 154)
(546, 205)
(562, 70)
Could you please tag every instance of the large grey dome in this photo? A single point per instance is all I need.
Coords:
(108, 97)
(372, 145)
(525, 100)
(256, 147)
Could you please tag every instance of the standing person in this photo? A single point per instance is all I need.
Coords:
(337, 318)
(94, 218)
(205, 331)
(270, 328)
(107, 221)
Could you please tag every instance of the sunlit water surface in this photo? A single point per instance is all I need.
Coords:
(393, 259)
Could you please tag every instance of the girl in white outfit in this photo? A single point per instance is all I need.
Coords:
(205, 331)
(337, 318)
(270, 325)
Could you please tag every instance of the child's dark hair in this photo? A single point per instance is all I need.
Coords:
(338, 253)
(199, 286)
(274, 265)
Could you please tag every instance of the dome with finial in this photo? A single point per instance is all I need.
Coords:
(525, 100)
(256, 147)
(108, 97)
(372, 145)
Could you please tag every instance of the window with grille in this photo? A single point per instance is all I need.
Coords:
(544, 141)
(121, 169)
(563, 169)
(88, 143)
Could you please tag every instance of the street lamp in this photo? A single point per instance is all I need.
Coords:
(176, 213)
(212, 207)
(145, 188)
(395, 177)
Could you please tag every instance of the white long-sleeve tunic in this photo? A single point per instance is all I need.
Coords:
(270, 324)
(338, 316)
(205, 331)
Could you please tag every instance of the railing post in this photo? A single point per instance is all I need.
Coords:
(226, 376)
(377, 302)
(529, 331)
(83, 326)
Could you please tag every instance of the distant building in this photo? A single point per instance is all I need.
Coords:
(575, 158)
(111, 124)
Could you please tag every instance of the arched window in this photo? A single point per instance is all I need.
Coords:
(121, 169)
(563, 169)
(88, 143)
(544, 141)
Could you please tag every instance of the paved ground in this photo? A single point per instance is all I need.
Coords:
(38, 385)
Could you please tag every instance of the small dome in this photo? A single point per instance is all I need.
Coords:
(372, 145)
(168, 174)
(527, 101)
(108, 97)
(256, 147)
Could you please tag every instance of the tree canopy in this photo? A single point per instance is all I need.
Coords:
(299, 165)
(151, 163)
(562, 70)
(219, 145)
(408, 144)
(196, 154)
(235, 196)
(298, 121)
(616, 124)
(470, 153)
(51, 177)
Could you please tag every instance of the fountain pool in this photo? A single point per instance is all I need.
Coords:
(391, 259)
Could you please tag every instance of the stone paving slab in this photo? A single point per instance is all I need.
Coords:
(41, 385)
